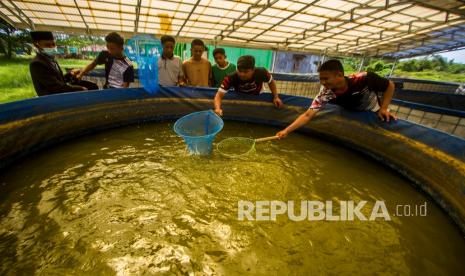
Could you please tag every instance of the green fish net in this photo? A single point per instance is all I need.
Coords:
(236, 146)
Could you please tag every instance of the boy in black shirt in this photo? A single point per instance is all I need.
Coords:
(119, 72)
(357, 92)
(247, 79)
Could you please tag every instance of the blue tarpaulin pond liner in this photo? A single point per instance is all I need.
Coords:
(145, 50)
(198, 130)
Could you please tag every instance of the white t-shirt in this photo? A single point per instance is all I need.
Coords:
(169, 70)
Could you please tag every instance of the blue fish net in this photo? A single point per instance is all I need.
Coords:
(198, 130)
(145, 50)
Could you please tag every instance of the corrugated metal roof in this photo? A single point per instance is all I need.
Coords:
(336, 27)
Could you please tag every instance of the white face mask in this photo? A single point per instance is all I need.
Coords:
(50, 51)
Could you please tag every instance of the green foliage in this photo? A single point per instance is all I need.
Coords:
(78, 41)
(431, 75)
(12, 40)
(350, 65)
(435, 67)
(435, 63)
(409, 65)
(379, 67)
(456, 68)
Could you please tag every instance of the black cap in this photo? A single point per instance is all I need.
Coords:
(42, 35)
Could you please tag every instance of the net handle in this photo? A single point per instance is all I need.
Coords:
(264, 139)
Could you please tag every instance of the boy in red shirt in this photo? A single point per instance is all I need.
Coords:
(357, 92)
(247, 79)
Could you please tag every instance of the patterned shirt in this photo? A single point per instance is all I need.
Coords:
(117, 70)
(361, 94)
(253, 86)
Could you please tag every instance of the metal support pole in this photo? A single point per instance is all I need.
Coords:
(361, 64)
(393, 67)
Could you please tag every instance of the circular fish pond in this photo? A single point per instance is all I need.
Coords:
(132, 201)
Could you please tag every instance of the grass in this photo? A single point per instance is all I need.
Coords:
(15, 80)
(431, 75)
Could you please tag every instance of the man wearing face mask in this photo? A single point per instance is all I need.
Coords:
(46, 74)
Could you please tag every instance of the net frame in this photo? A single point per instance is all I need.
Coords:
(223, 142)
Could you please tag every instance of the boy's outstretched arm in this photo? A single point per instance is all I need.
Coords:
(299, 122)
(383, 112)
(218, 97)
(91, 66)
(276, 100)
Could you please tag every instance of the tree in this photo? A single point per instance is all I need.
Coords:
(411, 65)
(439, 63)
(12, 39)
(6, 35)
(456, 68)
(379, 66)
(78, 41)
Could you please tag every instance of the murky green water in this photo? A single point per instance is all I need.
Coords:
(129, 201)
